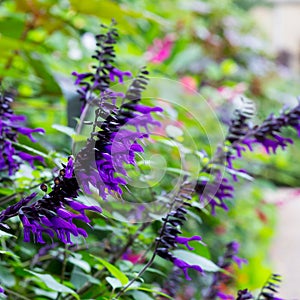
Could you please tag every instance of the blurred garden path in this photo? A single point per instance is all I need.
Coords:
(285, 252)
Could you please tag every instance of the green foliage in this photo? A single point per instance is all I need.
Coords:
(42, 42)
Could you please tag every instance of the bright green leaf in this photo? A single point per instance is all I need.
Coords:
(52, 284)
(113, 270)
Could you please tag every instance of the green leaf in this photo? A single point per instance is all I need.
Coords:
(114, 282)
(5, 191)
(150, 291)
(79, 278)
(138, 295)
(4, 234)
(173, 131)
(49, 84)
(52, 284)
(113, 270)
(64, 129)
(34, 151)
(6, 277)
(80, 263)
(194, 259)
(8, 253)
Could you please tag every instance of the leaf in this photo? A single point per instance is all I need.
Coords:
(240, 174)
(79, 278)
(4, 234)
(6, 277)
(5, 191)
(114, 282)
(194, 259)
(52, 284)
(80, 263)
(113, 270)
(138, 295)
(173, 131)
(34, 151)
(49, 84)
(69, 131)
(150, 291)
(11, 254)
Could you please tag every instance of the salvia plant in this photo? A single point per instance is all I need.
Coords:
(57, 214)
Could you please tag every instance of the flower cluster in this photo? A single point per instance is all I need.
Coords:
(243, 135)
(169, 237)
(214, 192)
(225, 261)
(96, 83)
(10, 127)
(115, 141)
(55, 212)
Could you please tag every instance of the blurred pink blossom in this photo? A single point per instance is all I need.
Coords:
(230, 93)
(189, 84)
(160, 50)
(134, 258)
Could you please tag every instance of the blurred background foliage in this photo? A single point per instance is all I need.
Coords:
(213, 47)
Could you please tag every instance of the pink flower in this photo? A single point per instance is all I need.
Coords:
(134, 258)
(160, 50)
(230, 93)
(189, 84)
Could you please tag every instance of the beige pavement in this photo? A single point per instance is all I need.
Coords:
(285, 252)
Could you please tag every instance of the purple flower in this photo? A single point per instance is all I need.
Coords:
(55, 212)
(10, 128)
(244, 295)
(185, 241)
(169, 237)
(13, 210)
(114, 143)
(184, 266)
(97, 83)
(223, 296)
(119, 74)
(1, 290)
(30, 158)
(214, 192)
(28, 132)
(232, 250)
(69, 168)
(242, 135)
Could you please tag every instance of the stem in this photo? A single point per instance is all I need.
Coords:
(9, 198)
(15, 294)
(63, 269)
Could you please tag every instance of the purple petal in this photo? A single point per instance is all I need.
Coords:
(185, 240)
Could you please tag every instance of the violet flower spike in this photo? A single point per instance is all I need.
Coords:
(169, 237)
(113, 145)
(94, 84)
(54, 213)
(10, 129)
